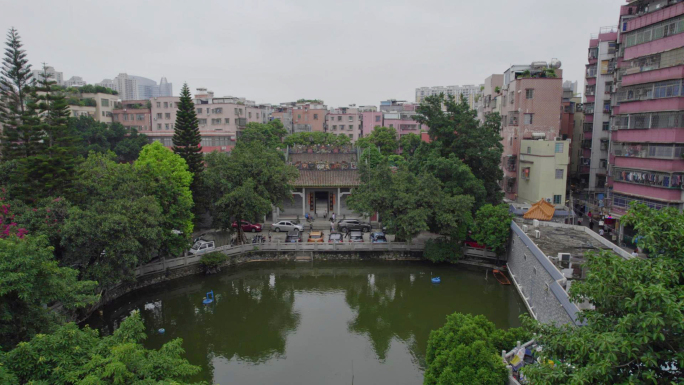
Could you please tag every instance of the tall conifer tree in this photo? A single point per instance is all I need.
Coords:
(20, 135)
(50, 172)
(186, 139)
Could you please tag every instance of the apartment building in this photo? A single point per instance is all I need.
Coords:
(394, 114)
(345, 121)
(647, 128)
(467, 91)
(55, 76)
(283, 112)
(490, 95)
(98, 105)
(543, 171)
(308, 117)
(529, 102)
(134, 114)
(163, 111)
(597, 110)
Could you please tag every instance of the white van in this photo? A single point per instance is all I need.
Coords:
(202, 247)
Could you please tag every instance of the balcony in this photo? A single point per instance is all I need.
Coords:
(648, 151)
(586, 144)
(511, 163)
(593, 53)
(588, 108)
(590, 91)
(588, 127)
(648, 178)
(591, 72)
(645, 121)
(241, 122)
(513, 118)
(606, 108)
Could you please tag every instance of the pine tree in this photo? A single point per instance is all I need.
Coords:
(187, 138)
(18, 111)
(50, 172)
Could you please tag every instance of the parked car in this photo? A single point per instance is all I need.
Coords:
(355, 236)
(474, 245)
(378, 237)
(293, 236)
(248, 227)
(202, 247)
(347, 225)
(286, 226)
(316, 236)
(335, 238)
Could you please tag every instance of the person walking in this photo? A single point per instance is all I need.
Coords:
(591, 224)
(311, 227)
(269, 236)
(333, 217)
(332, 226)
(601, 232)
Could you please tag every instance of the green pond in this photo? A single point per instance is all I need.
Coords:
(362, 322)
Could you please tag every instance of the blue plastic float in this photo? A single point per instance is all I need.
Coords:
(436, 280)
(209, 298)
(161, 331)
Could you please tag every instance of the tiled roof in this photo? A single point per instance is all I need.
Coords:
(330, 158)
(541, 210)
(308, 178)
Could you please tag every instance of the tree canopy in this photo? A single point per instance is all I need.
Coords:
(456, 130)
(317, 138)
(493, 227)
(382, 137)
(635, 332)
(270, 134)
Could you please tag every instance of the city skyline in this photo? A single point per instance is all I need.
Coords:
(258, 56)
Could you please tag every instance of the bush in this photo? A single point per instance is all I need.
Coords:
(212, 262)
(443, 250)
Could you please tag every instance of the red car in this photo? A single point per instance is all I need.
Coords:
(248, 227)
(474, 245)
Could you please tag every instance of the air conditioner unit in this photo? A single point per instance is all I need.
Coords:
(537, 234)
(155, 118)
(525, 229)
(565, 257)
(535, 222)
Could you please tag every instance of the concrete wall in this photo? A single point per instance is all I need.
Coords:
(538, 281)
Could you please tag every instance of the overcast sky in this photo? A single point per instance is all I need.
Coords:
(274, 51)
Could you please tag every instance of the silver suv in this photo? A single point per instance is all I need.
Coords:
(347, 225)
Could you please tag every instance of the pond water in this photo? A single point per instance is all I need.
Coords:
(362, 322)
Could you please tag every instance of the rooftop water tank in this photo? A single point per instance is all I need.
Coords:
(555, 63)
(538, 64)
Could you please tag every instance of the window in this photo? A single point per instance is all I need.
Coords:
(125, 116)
(342, 127)
(217, 110)
(528, 118)
(391, 125)
(334, 127)
(199, 111)
(250, 114)
(606, 126)
(130, 117)
(557, 199)
(166, 104)
(377, 118)
(339, 118)
(299, 116)
(315, 116)
(559, 173)
(529, 150)
(158, 126)
(351, 118)
(559, 148)
(529, 93)
(104, 102)
(159, 115)
(202, 121)
(511, 96)
(166, 126)
(226, 120)
(140, 116)
(167, 115)
(158, 104)
(216, 121)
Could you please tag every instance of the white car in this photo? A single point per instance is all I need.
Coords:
(202, 247)
(286, 226)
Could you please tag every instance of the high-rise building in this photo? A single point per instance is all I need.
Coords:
(165, 88)
(597, 110)
(55, 76)
(127, 86)
(75, 81)
(131, 87)
(467, 91)
(647, 128)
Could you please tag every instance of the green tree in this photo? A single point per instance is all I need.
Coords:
(72, 355)
(252, 169)
(456, 130)
(117, 222)
(270, 134)
(169, 180)
(385, 139)
(635, 332)
(186, 136)
(94, 136)
(50, 171)
(317, 138)
(466, 350)
(31, 280)
(18, 110)
(409, 143)
(493, 227)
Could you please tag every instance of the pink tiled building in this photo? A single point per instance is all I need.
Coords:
(529, 102)
(133, 114)
(345, 121)
(647, 107)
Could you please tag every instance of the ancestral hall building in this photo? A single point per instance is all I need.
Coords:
(327, 176)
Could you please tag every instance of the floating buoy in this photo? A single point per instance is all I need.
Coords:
(161, 331)
(209, 298)
(436, 280)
